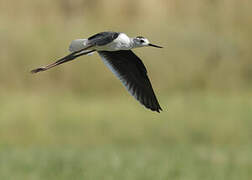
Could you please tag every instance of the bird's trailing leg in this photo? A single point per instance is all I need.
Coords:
(67, 58)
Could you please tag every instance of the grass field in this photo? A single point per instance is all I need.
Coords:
(112, 162)
(198, 136)
(77, 122)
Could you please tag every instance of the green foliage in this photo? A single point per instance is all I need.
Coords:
(206, 47)
(63, 136)
(185, 162)
(62, 119)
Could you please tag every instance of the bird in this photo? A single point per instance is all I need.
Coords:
(114, 49)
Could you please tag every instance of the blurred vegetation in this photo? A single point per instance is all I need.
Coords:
(77, 121)
(202, 136)
(207, 43)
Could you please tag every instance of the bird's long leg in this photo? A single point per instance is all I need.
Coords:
(67, 58)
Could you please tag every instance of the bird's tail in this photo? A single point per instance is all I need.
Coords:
(78, 44)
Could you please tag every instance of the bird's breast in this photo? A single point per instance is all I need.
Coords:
(122, 42)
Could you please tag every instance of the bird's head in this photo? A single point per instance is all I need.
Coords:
(141, 41)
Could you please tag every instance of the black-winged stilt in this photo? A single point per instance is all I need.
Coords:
(115, 51)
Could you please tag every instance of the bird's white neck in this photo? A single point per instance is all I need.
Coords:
(132, 43)
(122, 42)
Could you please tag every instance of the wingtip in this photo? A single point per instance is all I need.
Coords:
(159, 109)
(156, 109)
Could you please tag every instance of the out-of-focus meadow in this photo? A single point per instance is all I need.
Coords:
(78, 122)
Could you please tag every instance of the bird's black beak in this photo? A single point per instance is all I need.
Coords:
(156, 46)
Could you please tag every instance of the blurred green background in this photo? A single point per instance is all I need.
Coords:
(77, 121)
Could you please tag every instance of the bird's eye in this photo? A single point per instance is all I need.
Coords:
(141, 41)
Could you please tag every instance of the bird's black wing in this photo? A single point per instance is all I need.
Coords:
(132, 73)
(103, 38)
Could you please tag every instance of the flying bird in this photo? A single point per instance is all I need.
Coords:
(115, 51)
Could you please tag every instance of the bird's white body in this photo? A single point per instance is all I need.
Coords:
(122, 42)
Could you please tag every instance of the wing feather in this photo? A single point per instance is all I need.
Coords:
(132, 73)
(103, 38)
